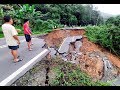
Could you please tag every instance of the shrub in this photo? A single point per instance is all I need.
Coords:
(106, 36)
(68, 74)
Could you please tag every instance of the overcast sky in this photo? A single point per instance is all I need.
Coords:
(113, 9)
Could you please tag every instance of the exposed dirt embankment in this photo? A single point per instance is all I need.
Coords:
(56, 37)
(91, 59)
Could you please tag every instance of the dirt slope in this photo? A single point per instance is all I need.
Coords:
(91, 59)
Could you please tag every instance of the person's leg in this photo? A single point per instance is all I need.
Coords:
(15, 55)
(30, 38)
(29, 45)
(29, 42)
(14, 52)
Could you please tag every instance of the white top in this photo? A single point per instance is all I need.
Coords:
(9, 31)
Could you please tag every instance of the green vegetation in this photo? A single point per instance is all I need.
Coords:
(45, 17)
(1, 34)
(107, 35)
(68, 74)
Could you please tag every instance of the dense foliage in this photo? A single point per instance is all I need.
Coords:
(106, 35)
(45, 17)
(69, 14)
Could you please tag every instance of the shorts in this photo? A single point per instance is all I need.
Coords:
(27, 37)
(13, 47)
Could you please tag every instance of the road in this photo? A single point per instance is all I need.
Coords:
(9, 71)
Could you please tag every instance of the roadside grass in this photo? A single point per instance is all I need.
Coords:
(21, 32)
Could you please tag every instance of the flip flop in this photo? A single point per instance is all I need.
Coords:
(18, 60)
(30, 49)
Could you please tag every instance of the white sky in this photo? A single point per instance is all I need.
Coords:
(113, 9)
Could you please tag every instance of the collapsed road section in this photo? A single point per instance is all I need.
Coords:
(71, 45)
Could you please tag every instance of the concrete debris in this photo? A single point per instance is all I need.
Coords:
(78, 44)
(70, 48)
(69, 51)
(64, 47)
(52, 52)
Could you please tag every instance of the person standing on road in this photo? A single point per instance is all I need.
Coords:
(10, 34)
(27, 33)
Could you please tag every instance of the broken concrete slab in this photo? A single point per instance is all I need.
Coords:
(65, 44)
(52, 52)
(109, 65)
(78, 44)
(63, 48)
(105, 66)
(74, 38)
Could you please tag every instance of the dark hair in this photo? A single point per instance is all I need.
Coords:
(25, 20)
(7, 18)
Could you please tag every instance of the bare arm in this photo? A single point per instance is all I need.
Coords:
(16, 38)
(27, 31)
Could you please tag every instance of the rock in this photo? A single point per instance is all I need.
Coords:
(91, 55)
(72, 61)
(64, 47)
(73, 57)
(97, 56)
(78, 44)
(105, 58)
(65, 59)
(52, 52)
(80, 53)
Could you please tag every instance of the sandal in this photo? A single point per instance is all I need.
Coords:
(18, 60)
(30, 49)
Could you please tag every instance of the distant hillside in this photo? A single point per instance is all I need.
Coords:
(106, 15)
